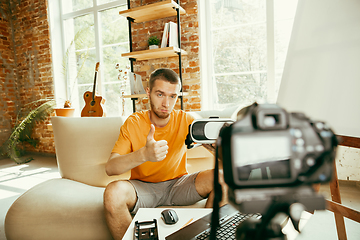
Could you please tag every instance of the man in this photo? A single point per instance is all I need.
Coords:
(152, 144)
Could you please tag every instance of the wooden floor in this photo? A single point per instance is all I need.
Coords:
(16, 179)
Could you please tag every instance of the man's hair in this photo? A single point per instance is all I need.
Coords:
(165, 74)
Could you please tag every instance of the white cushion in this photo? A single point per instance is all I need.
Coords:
(58, 209)
(83, 146)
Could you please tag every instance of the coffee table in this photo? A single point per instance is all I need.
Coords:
(148, 214)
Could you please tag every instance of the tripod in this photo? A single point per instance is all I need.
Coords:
(278, 205)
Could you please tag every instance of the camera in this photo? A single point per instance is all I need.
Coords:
(269, 147)
(271, 158)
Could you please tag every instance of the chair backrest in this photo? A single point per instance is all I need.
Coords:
(83, 146)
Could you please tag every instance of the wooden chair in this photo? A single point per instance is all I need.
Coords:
(334, 205)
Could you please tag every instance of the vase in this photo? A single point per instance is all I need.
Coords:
(153, 46)
(64, 112)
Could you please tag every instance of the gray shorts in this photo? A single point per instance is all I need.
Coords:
(176, 192)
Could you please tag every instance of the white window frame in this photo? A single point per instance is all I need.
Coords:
(206, 59)
(58, 45)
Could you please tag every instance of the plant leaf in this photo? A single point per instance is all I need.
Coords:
(23, 130)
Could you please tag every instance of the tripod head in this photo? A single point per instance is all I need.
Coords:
(276, 206)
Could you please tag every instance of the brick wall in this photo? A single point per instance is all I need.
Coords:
(189, 43)
(8, 84)
(25, 70)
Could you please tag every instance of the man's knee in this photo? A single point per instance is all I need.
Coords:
(119, 194)
(204, 182)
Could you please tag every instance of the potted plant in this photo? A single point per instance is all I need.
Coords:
(66, 111)
(153, 42)
(27, 117)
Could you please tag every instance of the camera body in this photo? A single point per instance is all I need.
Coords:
(269, 147)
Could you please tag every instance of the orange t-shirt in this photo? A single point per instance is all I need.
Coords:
(133, 135)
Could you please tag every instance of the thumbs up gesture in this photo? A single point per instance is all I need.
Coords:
(155, 150)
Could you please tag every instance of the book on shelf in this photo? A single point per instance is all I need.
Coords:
(165, 37)
(136, 85)
(173, 35)
(170, 35)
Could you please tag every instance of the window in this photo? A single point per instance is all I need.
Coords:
(244, 45)
(89, 32)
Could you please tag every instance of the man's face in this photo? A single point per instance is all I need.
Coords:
(163, 97)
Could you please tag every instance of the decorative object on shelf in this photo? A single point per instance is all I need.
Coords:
(165, 37)
(170, 35)
(122, 76)
(173, 35)
(27, 117)
(136, 84)
(153, 42)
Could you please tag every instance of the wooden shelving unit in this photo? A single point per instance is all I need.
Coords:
(154, 53)
(153, 11)
(150, 12)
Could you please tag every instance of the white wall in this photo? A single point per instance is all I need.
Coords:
(322, 71)
(348, 163)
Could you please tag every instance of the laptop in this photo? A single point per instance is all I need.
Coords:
(229, 219)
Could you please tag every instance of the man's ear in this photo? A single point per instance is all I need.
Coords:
(148, 92)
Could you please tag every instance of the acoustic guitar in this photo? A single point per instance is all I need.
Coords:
(92, 106)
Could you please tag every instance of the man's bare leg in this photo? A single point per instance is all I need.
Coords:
(204, 184)
(119, 198)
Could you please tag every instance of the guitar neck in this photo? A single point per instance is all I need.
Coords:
(93, 95)
(96, 70)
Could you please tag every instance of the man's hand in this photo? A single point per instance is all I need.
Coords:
(155, 150)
